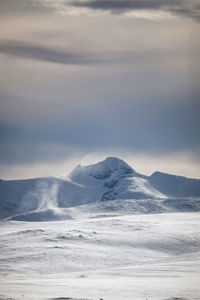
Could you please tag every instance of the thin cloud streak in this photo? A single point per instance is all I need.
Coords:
(42, 53)
(190, 9)
(176, 7)
(38, 52)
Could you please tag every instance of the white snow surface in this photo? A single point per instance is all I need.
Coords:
(116, 236)
(121, 257)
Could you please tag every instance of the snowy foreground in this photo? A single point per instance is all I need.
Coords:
(133, 257)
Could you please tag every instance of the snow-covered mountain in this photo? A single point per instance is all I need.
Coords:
(115, 179)
(111, 179)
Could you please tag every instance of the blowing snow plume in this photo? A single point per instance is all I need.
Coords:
(46, 194)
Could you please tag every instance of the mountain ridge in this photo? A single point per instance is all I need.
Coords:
(110, 179)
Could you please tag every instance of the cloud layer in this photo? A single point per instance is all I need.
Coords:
(190, 9)
(184, 8)
(110, 84)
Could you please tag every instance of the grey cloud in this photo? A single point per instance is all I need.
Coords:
(42, 53)
(190, 9)
(123, 5)
(180, 7)
(16, 7)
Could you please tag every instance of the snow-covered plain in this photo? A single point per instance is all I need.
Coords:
(126, 256)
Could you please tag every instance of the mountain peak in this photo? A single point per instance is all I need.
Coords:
(114, 164)
(103, 169)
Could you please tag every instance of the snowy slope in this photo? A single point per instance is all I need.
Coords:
(175, 186)
(39, 195)
(111, 179)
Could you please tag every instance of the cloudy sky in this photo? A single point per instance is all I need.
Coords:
(84, 79)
